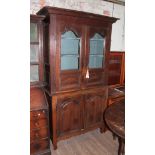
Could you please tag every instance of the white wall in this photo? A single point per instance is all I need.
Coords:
(94, 6)
(118, 29)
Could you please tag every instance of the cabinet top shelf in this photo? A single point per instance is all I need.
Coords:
(61, 11)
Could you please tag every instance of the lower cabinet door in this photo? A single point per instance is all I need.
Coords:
(95, 104)
(69, 115)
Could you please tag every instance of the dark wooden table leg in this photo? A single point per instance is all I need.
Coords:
(121, 147)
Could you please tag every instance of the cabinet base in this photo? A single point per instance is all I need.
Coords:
(102, 129)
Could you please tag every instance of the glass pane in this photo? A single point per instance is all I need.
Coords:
(33, 32)
(34, 75)
(96, 51)
(95, 61)
(70, 46)
(69, 62)
(96, 44)
(34, 53)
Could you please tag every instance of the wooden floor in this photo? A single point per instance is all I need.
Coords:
(91, 143)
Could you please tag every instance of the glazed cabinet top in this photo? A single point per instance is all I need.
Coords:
(77, 46)
(36, 49)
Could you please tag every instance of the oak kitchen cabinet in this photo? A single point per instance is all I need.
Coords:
(76, 56)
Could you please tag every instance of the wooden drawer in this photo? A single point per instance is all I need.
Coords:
(38, 123)
(39, 134)
(39, 114)
(39, 145)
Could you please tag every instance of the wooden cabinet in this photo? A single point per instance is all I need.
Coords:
(116, 68)
(76, 57)
(39, 113)
(36, 50)
(39, 126)
(77, 48)
(77, 112)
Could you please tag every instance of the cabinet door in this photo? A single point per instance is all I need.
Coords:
(95, 104)
(95, 56)
(69, 56)
(69, 115)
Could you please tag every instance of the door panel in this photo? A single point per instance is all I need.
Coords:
(69, 115)
(95, 56)
(95, 104)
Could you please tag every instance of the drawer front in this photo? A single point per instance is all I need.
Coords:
(38, 146)
(38, 123)
(39, 114)
(39, 134)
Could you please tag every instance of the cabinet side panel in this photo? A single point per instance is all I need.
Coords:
(46, 57)
(52, 52)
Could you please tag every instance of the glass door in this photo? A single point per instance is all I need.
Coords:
(34, 53)
(69, 61)
(96, 41)
(36, 50)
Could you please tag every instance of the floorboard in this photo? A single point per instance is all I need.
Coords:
(91, 143)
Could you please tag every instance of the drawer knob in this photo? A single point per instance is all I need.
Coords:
(37, 115)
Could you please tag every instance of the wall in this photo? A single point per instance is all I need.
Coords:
(97, 7)
(118, 29)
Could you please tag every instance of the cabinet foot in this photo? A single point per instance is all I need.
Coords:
(102, 129)
(54, 146)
